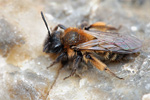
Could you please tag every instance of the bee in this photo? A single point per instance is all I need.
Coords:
(82, 43)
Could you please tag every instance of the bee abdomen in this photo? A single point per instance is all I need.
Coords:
(113, 57)
(109, 56)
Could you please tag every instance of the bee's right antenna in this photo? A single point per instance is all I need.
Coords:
(45, 23)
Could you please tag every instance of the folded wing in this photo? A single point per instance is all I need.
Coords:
(114, 42)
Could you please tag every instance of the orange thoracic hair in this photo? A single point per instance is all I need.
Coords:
(74, 36)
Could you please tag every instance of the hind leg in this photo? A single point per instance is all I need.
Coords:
(88, 57)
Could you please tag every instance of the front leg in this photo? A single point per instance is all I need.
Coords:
(60, 26)
(61, 57)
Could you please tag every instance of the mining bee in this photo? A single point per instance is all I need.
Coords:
(82, 43)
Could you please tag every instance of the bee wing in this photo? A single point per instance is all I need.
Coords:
(114, 42)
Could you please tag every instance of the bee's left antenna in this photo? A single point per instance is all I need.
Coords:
(45, 23)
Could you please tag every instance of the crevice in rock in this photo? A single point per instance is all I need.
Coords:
(51, 87)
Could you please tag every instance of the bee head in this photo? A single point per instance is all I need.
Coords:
(52, 43)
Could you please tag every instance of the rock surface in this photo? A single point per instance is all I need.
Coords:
(24, 74)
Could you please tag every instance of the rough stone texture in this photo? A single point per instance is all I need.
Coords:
(24, 75)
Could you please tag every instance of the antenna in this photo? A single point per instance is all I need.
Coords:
(45, 23)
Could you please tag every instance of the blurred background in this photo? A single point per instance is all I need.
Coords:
(23, 64)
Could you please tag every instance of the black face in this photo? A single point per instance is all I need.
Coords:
(53, 43)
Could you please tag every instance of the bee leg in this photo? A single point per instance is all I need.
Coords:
(98, 25)
(83, 25)
(59, 25)
(75, 66)
(113, 28)
(110, 72)
(102, 27)
(98, 64)
(59, 58)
